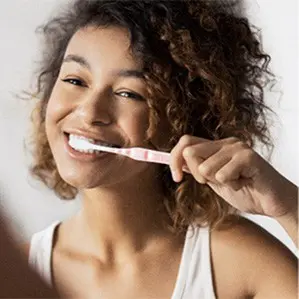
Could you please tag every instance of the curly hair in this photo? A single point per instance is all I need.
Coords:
(205, 71)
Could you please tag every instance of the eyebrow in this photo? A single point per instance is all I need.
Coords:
(78, 59)
(121, 73)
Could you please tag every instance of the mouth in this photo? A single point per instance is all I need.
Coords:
(86, 155)
(93, 141)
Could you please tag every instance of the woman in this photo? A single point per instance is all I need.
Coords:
(179, 76)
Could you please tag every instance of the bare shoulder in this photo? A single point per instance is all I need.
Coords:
(247, 261)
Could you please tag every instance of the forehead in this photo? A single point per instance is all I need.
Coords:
(103, 46)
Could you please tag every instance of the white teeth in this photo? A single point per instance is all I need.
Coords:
(72, 137)
(86, 151)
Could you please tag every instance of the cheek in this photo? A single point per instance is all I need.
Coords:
(141, 123)
(136, 125)
(56, 108)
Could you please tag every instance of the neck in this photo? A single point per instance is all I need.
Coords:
(123, 219)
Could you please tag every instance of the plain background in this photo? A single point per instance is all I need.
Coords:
(27, 203)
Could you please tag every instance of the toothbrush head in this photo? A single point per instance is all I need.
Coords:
(84, 144)
(80, 144)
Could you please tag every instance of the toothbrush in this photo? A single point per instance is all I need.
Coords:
(136, 153)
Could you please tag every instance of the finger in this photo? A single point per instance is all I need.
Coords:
(176, 156)
(230, 171)
(241, 165)
(206, 148)
(194, 156)
(192, 162)
(188, 146)
(213, 164)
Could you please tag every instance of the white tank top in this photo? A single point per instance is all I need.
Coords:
(194, 278)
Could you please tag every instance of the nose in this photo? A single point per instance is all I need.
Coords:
(95, 109)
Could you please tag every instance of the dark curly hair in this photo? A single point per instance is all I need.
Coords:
(205, 71)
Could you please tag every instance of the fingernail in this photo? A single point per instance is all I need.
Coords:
(175, 176)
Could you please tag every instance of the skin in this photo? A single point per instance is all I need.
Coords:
(117, 245)
(116, 191)
(240, 176)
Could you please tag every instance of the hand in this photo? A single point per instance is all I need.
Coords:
(235, 172)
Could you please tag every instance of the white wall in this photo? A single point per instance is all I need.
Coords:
(278, 20)
(30, 205)
(27, 202)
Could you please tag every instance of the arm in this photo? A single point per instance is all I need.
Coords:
(251, 263)
(276, 270)
(272, 269)
(289, 221)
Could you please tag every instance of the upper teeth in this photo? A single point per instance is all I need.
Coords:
(72, 137)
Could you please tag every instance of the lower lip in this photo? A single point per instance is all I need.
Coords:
(86, 157)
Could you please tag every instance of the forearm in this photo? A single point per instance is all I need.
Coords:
(289, 221)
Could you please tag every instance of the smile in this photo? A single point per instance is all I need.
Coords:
(93, 141)
(85, 155)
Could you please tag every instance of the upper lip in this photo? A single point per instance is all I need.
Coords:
(90, 135)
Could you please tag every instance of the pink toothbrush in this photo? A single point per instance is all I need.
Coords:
(136, 153)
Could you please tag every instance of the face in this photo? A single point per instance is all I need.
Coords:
(99, 94)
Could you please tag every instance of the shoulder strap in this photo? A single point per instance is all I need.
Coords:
(200, 281)
(40, 252)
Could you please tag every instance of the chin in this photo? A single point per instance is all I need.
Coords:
(80, 179)
(81, 183)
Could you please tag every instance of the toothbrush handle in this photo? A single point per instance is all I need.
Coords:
(162, 158)
(140, 154)
(107, 149)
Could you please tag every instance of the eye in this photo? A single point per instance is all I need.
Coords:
(131, 95)
(74, 81)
